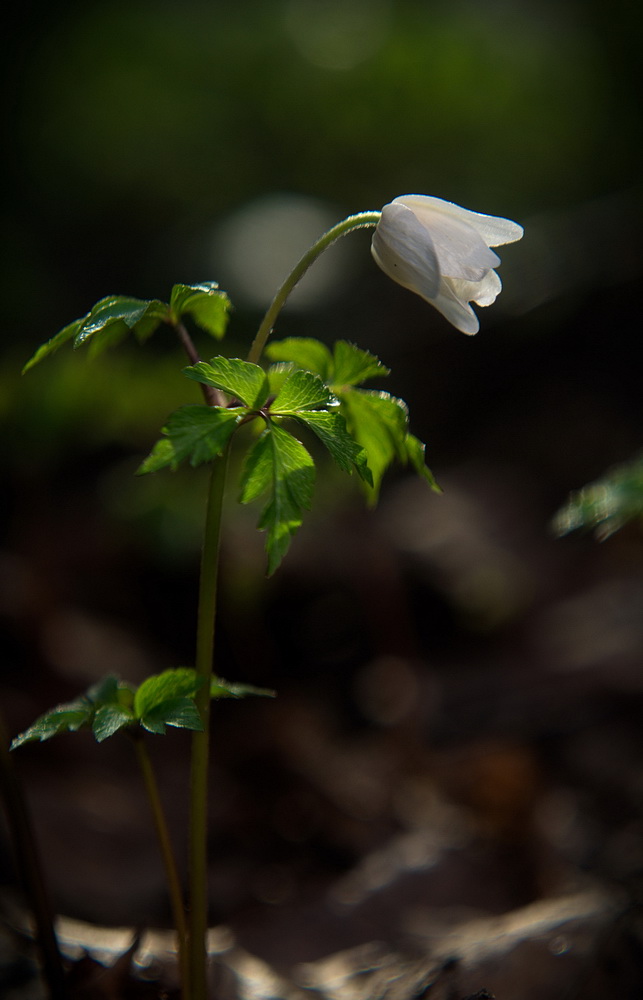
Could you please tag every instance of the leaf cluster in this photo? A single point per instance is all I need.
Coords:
(277, 465)
(378, 421)
(111, 319)
(165, 699)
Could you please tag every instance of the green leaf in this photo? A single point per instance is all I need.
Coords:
(280, 464)
(227, 689)
(379, 423)
(301, 391)
(330, 428)
(605, 505)
(180, 712)
(110, 690)
(51, 346)
(352, 366)
(109, 719)
(240, 379)
(67, 718)
(277, 375)
(197, 432)
(113, 318)
(415, 455)
(305, 352)
(167, 686)
(207, 306)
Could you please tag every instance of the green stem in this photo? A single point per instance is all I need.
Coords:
(30, 871)
(201, 741)
(171, 873)
(359, 221)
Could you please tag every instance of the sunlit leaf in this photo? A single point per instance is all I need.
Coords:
(280, 465)
(352, 366)
(205, 303)
(240, 379)
(109, 320)
(305, 352)
(415, 450)
(171, 684)
(379, 423)
(330, 428)
(198, 433)
(301, 391)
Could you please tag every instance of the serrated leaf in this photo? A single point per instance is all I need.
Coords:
(198, 433)
(277, 375)
(352, 366)
(240, 379)
(379, 423)
(605, 505)
(163, 687)
(139, 315)
(305, 352)
(415, 450)
(280, 464)
(51, 346)
(330, 428)
(67, 718)
(180, 712)
(301, 391)
(205, 303)
(112, 317)
(109, 719)
(227, 689)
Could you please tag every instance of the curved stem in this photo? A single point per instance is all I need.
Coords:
(171, 873)
(201, 741)
(359, 221)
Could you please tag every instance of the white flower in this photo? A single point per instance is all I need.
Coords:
(442, 252)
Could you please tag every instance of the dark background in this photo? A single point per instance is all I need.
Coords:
(443, 663)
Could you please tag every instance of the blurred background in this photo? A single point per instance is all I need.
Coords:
(459, 691)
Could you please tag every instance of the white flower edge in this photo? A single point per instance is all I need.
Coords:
(442, 252)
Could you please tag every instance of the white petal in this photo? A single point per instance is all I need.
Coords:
(458, 312)
(461, 251)
(493, 229)
(405, 251)
(484, 292)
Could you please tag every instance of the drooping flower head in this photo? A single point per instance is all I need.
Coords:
(442, 252)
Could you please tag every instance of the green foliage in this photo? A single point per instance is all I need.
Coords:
(301, 391)
(240, 379)
(330, 428)
(197, 433)
(165, 699)
(376, 421)
(106, 707)
(115, 316)
(207, 306)
(278, 464)
(605, 505)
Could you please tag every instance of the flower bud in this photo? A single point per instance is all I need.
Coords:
(442, 252)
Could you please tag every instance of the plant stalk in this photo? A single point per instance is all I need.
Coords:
(30, 871)
(360, 221)
(171, 873)
(198, 915)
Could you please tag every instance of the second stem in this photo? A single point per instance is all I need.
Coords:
(198, 917)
